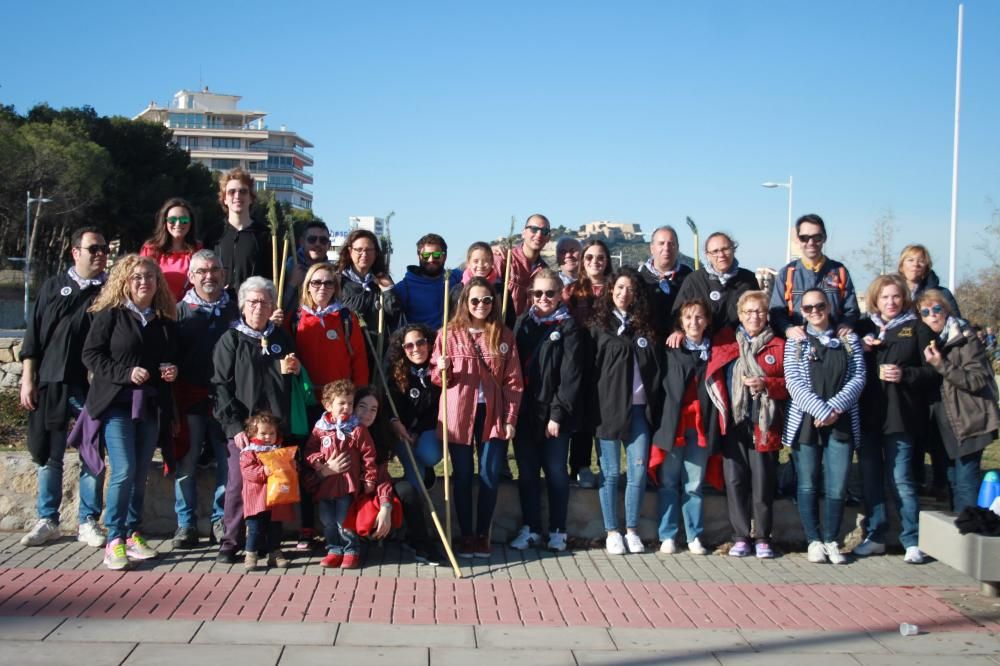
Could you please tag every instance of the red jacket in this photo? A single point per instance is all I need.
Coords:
(725, 350)
(322, 346)
(521, 272)
(324, 443)
(255, 489)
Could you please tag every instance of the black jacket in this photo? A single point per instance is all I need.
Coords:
(247, 380)
(682, 367)
(888, 407)
(364, 303)
(932, 281)
(117, 343)
(702, 285)
(245, 253)
(552, 359)
(418, 405)
(662, 297)
(198, 329)
(614, 363)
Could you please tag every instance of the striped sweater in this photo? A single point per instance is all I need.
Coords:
(804, 401)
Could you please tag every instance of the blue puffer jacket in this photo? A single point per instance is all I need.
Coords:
(421, 297)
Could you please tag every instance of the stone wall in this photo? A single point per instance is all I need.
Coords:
(10, 365)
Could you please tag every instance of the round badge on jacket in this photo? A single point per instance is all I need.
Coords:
(554, 336)
(504, 348)
(331, 335)
(769, 359)
(414, 393)
(326, 441)
(642, 342)
(66, 291)
(276, 348)
(715, 295)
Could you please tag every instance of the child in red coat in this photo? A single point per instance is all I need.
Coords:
(263, 523)
(343, 455)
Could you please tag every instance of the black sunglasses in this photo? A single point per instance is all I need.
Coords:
(419, 342)
(485, 300)
(815, 238)
(545, 231)
(322, 240)
(548, 293)
(818, 307)
(96, 249)
(316, 284)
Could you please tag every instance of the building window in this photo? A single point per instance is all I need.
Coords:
(187, 120)
(224, 165)
(219, 142)
(279, 162)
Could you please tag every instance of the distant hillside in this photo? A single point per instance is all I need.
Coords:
(634, 252)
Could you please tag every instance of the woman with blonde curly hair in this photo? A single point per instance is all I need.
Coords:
(130, 353)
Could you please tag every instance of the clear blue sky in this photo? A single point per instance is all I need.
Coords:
(458, 115)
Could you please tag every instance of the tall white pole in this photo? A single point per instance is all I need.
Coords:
(952, 259)
(27, 251)
(788, 234)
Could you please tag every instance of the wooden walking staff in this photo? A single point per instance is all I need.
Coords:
(284, 263)
(694, 230)
(442, 534)
(445, 458)
(506, 274)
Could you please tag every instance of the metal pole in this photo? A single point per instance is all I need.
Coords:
(952, 259)
(27, 251)
(788, 239)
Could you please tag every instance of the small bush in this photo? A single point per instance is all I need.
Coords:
(13, 421)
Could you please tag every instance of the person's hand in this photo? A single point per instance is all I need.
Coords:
(168, 372)
(139, 375)
(755, 384)
(383, 523)
(340, 463)
(402, 433)
(267, 471)
(290, 365)
(443, 363)
(795, 333)
(843, 329)
(277, 317)
(29, 393)
(384, 281)
(931, 355)
(508, 431)
(241, 441)
(675, 339)
(869, 342)
(829, 420)
(369, 487)
(552, 429)
(891, 373)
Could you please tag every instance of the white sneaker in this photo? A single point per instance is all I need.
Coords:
(869, 547)
(557, 541)
(817, 552)
(833, 552)
(91, 534)
(695, 547)
(45, 530)
(634, 543)
(614, 544)
(913, 555)
(668, 547)
(585, 478)
(525, 539)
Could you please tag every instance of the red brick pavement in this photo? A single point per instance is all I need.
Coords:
(209, 596)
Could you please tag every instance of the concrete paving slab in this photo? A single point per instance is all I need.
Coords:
(811, 642)
(125, 631)
(783, 659)
(217, 632)
(415, 635)
(642, 658)
(171, 654)
(301, 655)
(679, 640)
(27, 628)
(496, 657)
(544, 638)
(940, 643)
(35, 653)
(918, 660)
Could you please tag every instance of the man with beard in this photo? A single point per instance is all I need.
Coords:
(54, 385)
(203, 315)
(421, 291)
(663, 274)
(525, 261)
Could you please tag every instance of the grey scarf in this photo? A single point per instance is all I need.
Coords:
(746, 366)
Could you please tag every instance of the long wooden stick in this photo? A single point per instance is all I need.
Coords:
(446, 458)
(381, 327)
(284, 264)
(506, 274)
(442, 534)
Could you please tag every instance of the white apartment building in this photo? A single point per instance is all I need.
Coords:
(221, 136)
(376, 225)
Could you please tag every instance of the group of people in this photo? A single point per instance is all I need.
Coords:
(699, 376)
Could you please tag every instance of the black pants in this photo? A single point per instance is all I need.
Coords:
(927, 440)
(581, 448)
(751, 479)
(413, 515)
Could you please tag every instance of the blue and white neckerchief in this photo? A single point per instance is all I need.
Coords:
(242, 327)
(826, 338)
(895, 322)
(214, 308)
(145, 316)
(342, 428)
(421, 373)
(951, 329)
(665, 277)
(702, 347)
(83, 283)
(260, 448)
(300, 257)
(623, 319)
(320, 313)
(723, 277)
(367, 282)
(743, 331)
(561, 313)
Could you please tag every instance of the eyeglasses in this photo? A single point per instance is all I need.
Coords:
(96, 249)
(805, 239)
(139, 278)
(818, 307)
(321, 240)
(485, 300)
(431, 255)
(419, 342)
(596, 258)
(254, 305)
(721, 251)
(322, 284)
(754, 313)
(202, 272)
(936, 309)
(233, 192)
(548, 293)
(182, 220)
(544, 231)
(363, 250)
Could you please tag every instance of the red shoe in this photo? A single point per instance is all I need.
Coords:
(351, 561)
(332, 560)
(466, 547)
(482, 547)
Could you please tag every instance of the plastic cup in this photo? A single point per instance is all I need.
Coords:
(907, 629)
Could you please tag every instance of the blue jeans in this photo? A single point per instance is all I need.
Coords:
(50, 478)
(832, 460)
(427, 451)
(333, 513)
(636, 459)
(964, 479)
(491, 455)
(263, 534)
(130, 451)
(681, 476)
(204, 431)
(894, 451)
(548, 453)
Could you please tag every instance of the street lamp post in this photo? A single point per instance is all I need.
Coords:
(27, 244)
(788, 233)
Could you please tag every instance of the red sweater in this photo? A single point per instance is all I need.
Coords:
(325, 443)
(321, 345)
(174, 266)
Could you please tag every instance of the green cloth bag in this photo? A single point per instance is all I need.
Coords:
(302, 397)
